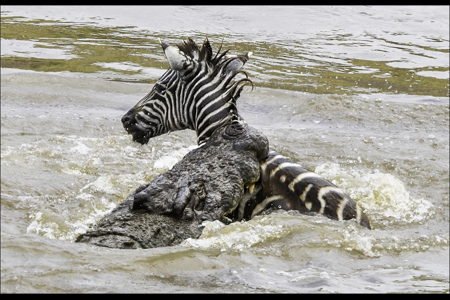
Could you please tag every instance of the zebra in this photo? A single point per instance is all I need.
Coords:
(199, 92)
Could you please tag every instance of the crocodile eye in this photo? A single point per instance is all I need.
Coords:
(235, 130)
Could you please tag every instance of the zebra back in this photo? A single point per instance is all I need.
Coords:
(286, 185)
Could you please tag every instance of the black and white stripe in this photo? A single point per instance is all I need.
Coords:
(286, 185)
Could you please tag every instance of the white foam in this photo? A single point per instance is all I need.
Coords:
(381, 195)
(81, 148)
(67, 225)
(168, 161)
(238, 235)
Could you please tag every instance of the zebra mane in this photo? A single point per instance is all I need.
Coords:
(230, 66)
(204, 53)
(190, 48)
(227, 66)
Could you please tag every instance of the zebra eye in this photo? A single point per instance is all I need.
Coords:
(160, 89)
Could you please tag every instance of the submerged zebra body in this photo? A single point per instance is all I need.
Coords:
(198, 92)
(286, 185)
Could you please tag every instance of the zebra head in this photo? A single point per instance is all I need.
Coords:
(197, 92)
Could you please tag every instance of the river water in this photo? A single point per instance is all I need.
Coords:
(358, 94)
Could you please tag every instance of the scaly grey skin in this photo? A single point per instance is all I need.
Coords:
(125, 228)
(206, 185)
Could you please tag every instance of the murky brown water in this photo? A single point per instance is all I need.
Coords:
(357, 94)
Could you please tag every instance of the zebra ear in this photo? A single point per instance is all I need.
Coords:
(237, 62)
(178, 60)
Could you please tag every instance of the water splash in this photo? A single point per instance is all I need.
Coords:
(238, 235)
(68, 224)
(383, 196)
(168, 161)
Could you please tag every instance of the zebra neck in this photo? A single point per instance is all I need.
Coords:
(206, 131)
(211, 111)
